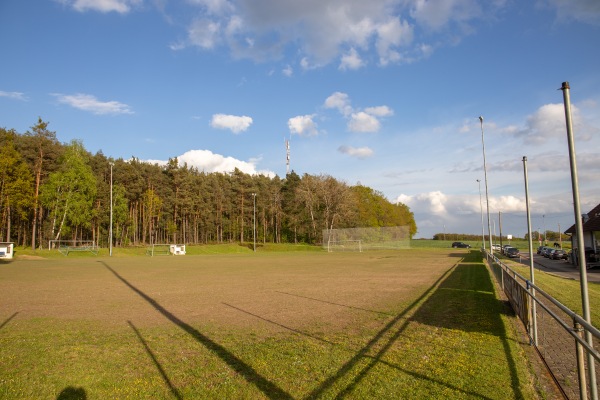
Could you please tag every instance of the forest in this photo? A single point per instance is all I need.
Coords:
(52, 190)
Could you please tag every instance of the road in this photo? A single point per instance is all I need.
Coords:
(560, 268)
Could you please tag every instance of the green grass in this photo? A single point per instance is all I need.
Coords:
(566, 291)
(408, 324)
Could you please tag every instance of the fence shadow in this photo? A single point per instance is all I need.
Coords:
(268, 388)
(458, 303)
(397, 325)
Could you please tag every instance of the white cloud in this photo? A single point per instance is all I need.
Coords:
(13, 95)
(358, 152)
(288, 71)
(104, 6)
(392, 35)
(207, 161)
(351, 60)
(339, 101)
(232, 122)
(437, 14)
(303, 125)
(380, 111)
(579, 10)
(204, 33)
(548, 123)
(89, 103)
(363, 122)
(323, 31)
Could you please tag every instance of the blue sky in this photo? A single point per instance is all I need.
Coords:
(386, 93)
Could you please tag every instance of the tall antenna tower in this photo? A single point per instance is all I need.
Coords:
(287, 156)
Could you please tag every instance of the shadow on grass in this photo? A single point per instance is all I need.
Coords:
(438, 306)
(458, 303)
(8, 319)
(279, 325)
(168, 382)
(335, 304)
(375, 341)
(268, 388)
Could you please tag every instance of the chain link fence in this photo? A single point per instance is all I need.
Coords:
(560, 336)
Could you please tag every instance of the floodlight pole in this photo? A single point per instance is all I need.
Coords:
(487, 199)
(531, 266)
(110, 229)
(580, 242)
(254, 221)
(481, 212)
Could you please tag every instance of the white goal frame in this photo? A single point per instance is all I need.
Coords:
(344, 245)
(165, 249)
(67, 246)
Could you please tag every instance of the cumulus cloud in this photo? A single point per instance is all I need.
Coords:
(358, 152)
(103, 6)
(207, 161)
(351, 60)
(358, 121)
(234, 123)
(339, 101)
(349, 31)
(548, 123)
(580, 10)
(303, 125)
(13, 95)
(87, 102)
(363, 122)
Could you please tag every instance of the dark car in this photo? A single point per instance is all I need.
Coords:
(559, 254)
(546, 252)
(460, 245)
(511, 252)
(541, 249)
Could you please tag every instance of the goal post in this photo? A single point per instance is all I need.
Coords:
(361, 239)
(344, 245)
(165, 249)
(67, 246)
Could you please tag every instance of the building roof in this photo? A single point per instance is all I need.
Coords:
(592, 224)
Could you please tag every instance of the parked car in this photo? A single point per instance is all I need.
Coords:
(559, 254)
(541, 249)
(496, 247)
(460, 245)
(506, 246)
(511, 252)
(546, 252)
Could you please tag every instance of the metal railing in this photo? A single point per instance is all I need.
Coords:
(560, 332)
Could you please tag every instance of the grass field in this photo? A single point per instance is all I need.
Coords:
(410, 324)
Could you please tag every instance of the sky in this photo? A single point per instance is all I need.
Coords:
(385, 93)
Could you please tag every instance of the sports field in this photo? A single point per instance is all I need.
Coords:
(421, 323)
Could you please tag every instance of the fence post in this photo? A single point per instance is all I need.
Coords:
(580, 361)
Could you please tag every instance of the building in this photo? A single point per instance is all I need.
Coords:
(591, 237)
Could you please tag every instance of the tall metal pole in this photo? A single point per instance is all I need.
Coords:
(531, 268)
(481, 212)
(254, 221)
(110, 229)
(487, 199)
(580, 242)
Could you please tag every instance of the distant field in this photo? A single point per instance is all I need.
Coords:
(280, 325)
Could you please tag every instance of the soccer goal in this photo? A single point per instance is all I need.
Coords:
(361, 239)
(68, 246)
(344, 245)
(163, 249)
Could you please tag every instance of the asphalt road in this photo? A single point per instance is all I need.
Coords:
(560, 267)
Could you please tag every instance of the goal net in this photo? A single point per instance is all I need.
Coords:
(361, 239)
(67, 246)
(162, 249)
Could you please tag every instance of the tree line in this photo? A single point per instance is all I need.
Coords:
(52, 190)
